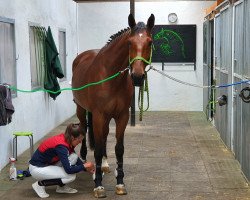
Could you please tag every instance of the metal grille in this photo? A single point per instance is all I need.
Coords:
(62, 52)
(239, 141)
(37, 55)
(245, 142)
(217, 42)
(246, 70)
(217, 94)
(224, 132)
(237, 123)
(238, 38)
(226, 40)
(223, 46)
(205, 64)
(238, 69)
(207, 79)
(7, 53)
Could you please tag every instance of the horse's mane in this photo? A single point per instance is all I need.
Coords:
(139, 26)
(116, 35)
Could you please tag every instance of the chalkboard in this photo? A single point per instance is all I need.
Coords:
(174, 43)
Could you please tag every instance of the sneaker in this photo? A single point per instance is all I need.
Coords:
(40, 190)
(65, 189)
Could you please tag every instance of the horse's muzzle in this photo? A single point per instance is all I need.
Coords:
(137, 80)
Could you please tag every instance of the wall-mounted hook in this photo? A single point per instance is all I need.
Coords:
(245, 94)
(222, 100)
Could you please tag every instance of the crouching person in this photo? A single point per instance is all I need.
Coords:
(56, 163)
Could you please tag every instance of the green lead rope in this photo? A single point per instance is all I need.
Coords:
(73, 89)
(143, 88)
(211, 105)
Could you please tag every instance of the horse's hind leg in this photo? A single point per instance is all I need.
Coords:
(121, 124)
(101, 129)
(81, 114)
(105, 165)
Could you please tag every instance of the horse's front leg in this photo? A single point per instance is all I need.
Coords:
(105, 164)
(100, 132)
(121, 124)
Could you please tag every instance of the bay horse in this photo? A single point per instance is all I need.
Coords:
(130, 47)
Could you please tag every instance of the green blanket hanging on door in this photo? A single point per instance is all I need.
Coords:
(53, 66)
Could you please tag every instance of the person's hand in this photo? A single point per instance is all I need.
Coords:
(89, 166)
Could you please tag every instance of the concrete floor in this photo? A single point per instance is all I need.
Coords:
(168, 156)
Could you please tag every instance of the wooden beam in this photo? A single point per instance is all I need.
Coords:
(100, 1)
(89, 1)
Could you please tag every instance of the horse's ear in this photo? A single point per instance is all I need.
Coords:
(131, 21)
(151, 22)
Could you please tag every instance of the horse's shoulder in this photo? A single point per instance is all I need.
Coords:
(87, 56)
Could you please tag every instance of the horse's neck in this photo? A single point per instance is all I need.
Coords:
(116, 55)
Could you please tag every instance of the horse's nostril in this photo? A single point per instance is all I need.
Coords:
(134, 75)
(137, 80)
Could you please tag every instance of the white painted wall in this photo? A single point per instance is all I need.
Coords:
(37, 112)
(98, 21)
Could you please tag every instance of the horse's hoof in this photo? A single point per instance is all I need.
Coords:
(99, 192)
(106, 170)
(121, 190)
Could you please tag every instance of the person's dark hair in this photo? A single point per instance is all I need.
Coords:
(73, 130)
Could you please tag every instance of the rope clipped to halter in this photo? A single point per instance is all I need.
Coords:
(143, 88)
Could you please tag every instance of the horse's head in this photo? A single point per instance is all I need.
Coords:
(140, 48)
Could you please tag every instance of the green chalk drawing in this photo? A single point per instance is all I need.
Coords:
(169, 37)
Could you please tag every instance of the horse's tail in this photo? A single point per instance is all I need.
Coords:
(90, 131)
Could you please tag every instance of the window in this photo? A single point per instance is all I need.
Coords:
(62, 52)
(37, 55)
(7, 52)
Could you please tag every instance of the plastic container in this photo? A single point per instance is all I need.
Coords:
(13, 171)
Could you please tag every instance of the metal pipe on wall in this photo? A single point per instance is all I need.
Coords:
(132, 117)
